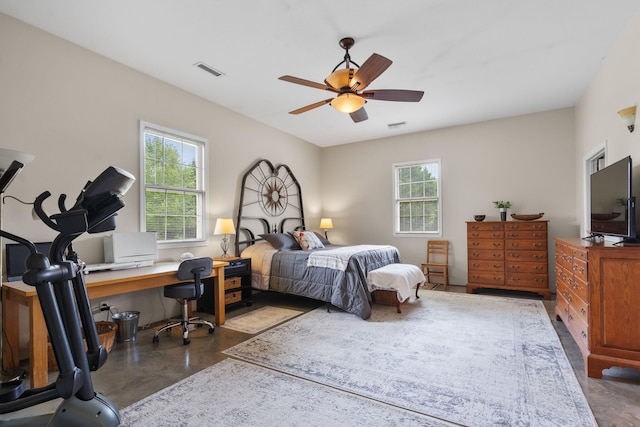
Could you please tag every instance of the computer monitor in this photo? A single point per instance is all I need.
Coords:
(16, 254)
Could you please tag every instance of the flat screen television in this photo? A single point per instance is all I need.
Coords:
(613, 208)
(16, 255)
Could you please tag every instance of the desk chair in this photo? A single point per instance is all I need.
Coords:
(437, 263)
(193, 270)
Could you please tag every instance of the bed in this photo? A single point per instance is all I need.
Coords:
(287, 258)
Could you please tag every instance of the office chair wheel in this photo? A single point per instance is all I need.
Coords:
(211, 330)
(186, 341)
(156, 339)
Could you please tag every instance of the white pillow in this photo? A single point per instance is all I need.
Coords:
(307, 240)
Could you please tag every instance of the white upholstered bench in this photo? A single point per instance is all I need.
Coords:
(391, 284)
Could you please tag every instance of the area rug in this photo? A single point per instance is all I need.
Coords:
(235, 393)
(258, 320)
(469, 359)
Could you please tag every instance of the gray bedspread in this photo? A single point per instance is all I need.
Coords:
(344, 289)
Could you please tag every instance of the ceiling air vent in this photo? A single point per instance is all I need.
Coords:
(394, 126)
(209, 69)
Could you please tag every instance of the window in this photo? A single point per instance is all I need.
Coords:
(173, 189)
(418, 204)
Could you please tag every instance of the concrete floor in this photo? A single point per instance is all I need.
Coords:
(136, 369)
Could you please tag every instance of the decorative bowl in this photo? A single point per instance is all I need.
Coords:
(479, 217)
(605, 216)
(527, 217)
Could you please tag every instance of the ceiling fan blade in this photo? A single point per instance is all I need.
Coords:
(369, 71)
(393, 95)
(308, 83)
(359, 115)
(311, 106)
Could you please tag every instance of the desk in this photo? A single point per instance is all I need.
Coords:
(99, 284)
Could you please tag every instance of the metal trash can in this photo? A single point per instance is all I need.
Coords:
(127, 322)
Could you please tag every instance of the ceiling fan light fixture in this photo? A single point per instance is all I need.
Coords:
(348, 102)
(341, 78)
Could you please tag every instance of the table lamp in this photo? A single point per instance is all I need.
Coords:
(325, 224)
(225, 227)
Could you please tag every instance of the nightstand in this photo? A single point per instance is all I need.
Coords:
(237, 285)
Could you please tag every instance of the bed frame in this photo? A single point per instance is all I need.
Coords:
(270, 202)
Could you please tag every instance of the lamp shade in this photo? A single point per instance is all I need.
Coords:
(628, 116)
(326, 223)
(224, 226)
(348, 102)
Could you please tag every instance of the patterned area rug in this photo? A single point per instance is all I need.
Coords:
(469, 359)
(258, 320)
(235, 393)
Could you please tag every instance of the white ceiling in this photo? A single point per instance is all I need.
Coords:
(475, 60)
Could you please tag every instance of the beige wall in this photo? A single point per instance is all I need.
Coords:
(616, 85)
(78, 112)
(528, 160)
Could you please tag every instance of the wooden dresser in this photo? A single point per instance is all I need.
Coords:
(598, 291)
(509, 255)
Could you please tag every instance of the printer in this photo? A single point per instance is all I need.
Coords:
(126, 250)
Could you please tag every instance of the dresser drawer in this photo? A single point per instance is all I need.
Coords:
(580, 269)
(234, 282)
(527, 280)
(580, 308)
(486, 254)
(527, 267)
(485, 244)
(538, 256)
(486, 234)
(527, 244)
(561, 278)
(580, 254)
(578, 327)
(580, 288)
(526, 234)
(484, 226)
(231, 297)
(521, 226)
(486, 265)
(562, 306)
(486, 277)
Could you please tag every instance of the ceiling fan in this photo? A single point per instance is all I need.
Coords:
(350, 84)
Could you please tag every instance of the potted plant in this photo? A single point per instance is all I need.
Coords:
(502, 206)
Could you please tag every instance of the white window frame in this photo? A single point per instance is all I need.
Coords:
(201, 187)
(396, 199)
(593, 161)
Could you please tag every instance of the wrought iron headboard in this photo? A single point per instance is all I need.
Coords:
(270, 201)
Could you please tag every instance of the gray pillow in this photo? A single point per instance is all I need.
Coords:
(281, 241)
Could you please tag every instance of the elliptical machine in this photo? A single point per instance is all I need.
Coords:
(65, 305)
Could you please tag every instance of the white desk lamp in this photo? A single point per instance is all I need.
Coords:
(225, 227)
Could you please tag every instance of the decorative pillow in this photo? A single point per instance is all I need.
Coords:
(307, 240)
(281, 241)
(323, 239)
